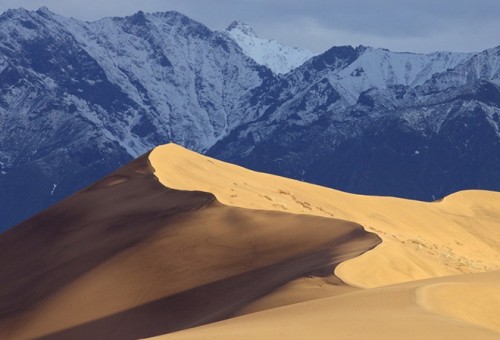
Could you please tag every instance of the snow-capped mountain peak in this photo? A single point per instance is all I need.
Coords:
(242, 27)
(363, 68)
(44, 10)
(279, 58)
(380, 68)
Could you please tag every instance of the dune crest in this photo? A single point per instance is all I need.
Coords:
(421, 240)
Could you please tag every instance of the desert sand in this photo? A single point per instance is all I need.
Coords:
(181, 246)
(408, 291)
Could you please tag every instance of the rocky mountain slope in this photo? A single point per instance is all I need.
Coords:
(78, 99)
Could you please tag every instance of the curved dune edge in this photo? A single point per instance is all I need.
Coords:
(471, 298)
(420, 240)
(392, 312)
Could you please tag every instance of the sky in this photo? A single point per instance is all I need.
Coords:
(399, 25)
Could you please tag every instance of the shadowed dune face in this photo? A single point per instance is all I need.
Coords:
(129, 258)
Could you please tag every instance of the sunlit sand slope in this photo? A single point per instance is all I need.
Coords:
(460, 234)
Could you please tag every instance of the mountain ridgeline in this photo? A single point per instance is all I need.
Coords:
(79, 99)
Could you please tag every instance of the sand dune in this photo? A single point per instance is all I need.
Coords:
(128, 258)
(459, 234)
(415, 310)
(174, 242)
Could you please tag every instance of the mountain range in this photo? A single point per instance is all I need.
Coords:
(79, 99)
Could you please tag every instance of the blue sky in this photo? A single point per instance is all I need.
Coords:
(399, 25)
